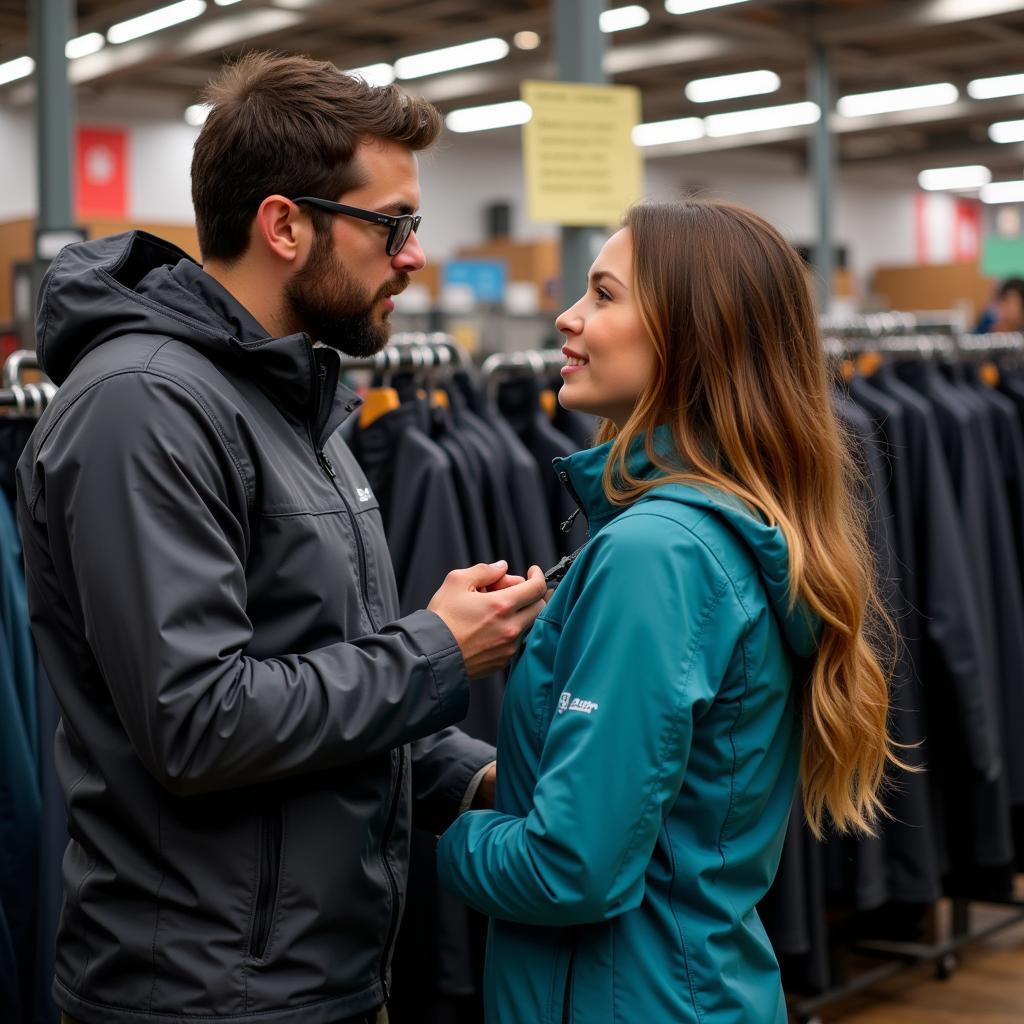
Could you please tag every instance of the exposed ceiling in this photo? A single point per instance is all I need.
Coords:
(873, 44)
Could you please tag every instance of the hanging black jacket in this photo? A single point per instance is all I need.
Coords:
(213, 601)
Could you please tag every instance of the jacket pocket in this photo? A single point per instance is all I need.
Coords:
(271, 834)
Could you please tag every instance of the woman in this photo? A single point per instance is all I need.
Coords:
(706, 646)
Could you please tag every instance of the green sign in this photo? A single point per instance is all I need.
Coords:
(1002, 257)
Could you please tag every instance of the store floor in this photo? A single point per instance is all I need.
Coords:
(987, 987)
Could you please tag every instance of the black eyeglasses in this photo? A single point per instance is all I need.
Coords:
(401, 227)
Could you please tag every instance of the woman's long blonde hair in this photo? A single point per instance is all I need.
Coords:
(741, 378)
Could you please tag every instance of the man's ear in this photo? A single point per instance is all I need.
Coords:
(285, 230)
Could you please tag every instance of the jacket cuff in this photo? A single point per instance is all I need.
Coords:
(435, 641)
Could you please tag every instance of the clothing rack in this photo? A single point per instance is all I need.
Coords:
(413, 351)
(904, 336)
(538, 363)
(27, 399)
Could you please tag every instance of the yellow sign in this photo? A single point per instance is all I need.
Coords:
(582, 167)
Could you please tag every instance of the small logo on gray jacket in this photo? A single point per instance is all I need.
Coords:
(567, 702)
(364, 493)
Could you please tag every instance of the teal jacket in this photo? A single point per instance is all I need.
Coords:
(647, 760)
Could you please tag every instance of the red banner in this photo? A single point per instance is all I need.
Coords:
(101, 177)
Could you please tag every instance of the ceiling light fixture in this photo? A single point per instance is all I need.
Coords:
(1003, 192)
(197, 114)
(954, 179)
(1006, 131)
(82, 46)
(621, 18)
(154, 21)
(889, 101)
(435, 62)
(692, 6)
(730, 87)
(660, 133)
(993, 88)
(740, 122)
(494, 115)
(375, 74)
(526, 40)
(12, 70)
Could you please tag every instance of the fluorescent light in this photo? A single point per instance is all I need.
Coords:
(82, 46)
(434, 62)
(692, 6)
(162, 17)
(729, 87)
(789, 115)
(225, 3)
(494, 115)
(621, 18)
(375, 74)
(526, 40)
(197, 114)
(1006, 131)
(992, 88)
(1003, 192)
(889, 100)
(20, 67)
(954, 178)
(658, 133)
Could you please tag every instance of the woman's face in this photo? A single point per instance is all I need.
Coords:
(610, 357)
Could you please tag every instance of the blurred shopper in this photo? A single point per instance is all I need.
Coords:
(1006, 310)
(210, 587)
(709, 644)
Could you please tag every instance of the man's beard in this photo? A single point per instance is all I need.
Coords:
(325, 301)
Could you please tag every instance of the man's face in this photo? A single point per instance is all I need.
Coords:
(1010, 311)
(341, 296)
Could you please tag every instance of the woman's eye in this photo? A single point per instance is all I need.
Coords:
(602, 294)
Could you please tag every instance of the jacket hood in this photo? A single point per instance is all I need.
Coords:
(90, 295)
(766, 543)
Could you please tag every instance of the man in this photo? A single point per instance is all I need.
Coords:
(1009, 308)
(210, 587)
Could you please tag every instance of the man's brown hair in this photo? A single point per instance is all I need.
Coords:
(289, 125)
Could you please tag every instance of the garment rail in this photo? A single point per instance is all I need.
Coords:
(900, 957)
(27, 399)
(413, 351)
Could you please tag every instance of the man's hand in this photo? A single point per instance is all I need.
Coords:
(488, 623)
(483, 799)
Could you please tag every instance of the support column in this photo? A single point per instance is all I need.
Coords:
(51, 29)
(579, 50)
(823, 169)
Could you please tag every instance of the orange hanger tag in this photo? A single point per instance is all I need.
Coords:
(439, 399)
(868, 363)
(376, 403)
(988, 373)
(849, 369)
(548, 402)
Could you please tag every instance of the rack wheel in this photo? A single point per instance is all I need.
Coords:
(946, 967)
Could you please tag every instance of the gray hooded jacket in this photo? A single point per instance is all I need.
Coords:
(212, 597)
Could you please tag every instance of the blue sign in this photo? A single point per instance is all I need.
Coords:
(486, 278)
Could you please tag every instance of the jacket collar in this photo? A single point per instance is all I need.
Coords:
(585, 472)
(304, 377)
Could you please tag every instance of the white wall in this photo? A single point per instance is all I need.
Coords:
(466, 173)
(18, 186)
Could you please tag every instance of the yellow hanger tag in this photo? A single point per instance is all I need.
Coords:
(548, 402)
(376, 403)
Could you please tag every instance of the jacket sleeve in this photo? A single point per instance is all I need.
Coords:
(142, 502)
(641, 654)
(443, 766)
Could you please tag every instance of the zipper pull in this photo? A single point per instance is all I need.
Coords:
(325, 464)
(567, 525)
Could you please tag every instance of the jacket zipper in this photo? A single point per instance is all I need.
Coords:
(392, 881)
(327, 466)
(567, 996)
(567, 484)
(266, 891)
